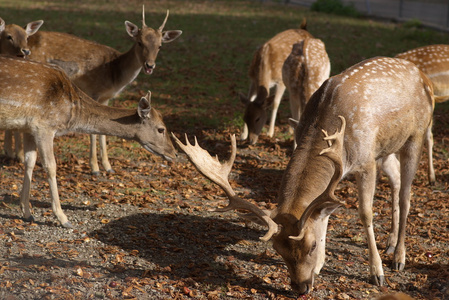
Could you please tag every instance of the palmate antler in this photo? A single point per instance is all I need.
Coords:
(218, 173)
(327, 200)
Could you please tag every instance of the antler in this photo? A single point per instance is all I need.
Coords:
(163, 24)
(218, 173)
(327, 199)
(143, 16)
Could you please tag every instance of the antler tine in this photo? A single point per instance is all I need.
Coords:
(143, 16)
(163, 24)
(218, 173)
(327, 198)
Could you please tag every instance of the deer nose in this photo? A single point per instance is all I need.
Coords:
(26, 52)
(149, 68)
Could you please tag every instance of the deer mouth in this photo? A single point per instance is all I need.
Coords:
(148, 69)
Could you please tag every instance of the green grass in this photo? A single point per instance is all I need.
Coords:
(198, 77)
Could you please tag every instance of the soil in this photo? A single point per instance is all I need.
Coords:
(147, 232)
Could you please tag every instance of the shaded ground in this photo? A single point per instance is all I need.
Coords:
(146, 231)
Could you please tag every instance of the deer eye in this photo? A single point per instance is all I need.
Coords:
(313, 248)
(161, 130)
(9, 37)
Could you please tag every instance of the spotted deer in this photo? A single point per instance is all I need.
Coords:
(303, 72)
(373, 111)
(13, 41)
(433, 60)
(98, 70)
(40, 101)
(265, 72)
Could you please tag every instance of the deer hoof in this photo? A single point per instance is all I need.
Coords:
(110, 171)
(390, 250)
(398, 266)
(95, 173)
(29, 219)
(378, 280)
(67, 225)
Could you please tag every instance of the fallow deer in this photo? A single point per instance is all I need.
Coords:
(265, 72)
(376, 109)
(41, 101)
(98, 70)
(433, 60)
(13, 41)
(303, 72)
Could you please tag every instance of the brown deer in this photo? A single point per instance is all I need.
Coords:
(265, 72)
(98, 70)
(376, 109)
(41, 101)
(303, 72)
(433, 60)
(13, 41)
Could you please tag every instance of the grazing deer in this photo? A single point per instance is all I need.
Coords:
(433, 60)
(98, 70)
(13, 41)
(303, 72)
(41, 101)
(376, 109)
(265, 72)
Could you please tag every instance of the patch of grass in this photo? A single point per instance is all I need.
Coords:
(335, 7)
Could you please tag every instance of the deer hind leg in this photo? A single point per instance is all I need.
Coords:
(280, 89)
(104, 154)
(409, 159)
(45, 146)
(429, 144)
(29, 163)
(366, 182)
(93, 162)
(8, 144)
(391, 167)
(18, 138)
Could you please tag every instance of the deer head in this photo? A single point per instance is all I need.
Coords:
(13, 38)
(149, 41)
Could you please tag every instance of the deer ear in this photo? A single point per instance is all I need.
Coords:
(267, 104)
(131, 29)
(2, 25)
(170, 36)
(293, 123)
(33, 27)
(144, 107)
(243, 99)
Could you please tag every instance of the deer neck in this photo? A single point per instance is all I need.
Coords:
(125, 68)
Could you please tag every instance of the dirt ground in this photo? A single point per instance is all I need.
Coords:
(147, 232)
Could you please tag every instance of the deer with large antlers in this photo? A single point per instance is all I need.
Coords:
(303, 72)
(98, 70)
(265, 72)
(376, 109)
(41, 101)
(13, 41)
(433, 60)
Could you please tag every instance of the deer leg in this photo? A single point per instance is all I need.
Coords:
(409, 163)
(104, 154)
(366, 182)
(280, 89)
(8, 144)
(29, 163)
(45, 146)
(295, 109)
(93, 162)
(19, 146)
(391, 167)
(429, 144)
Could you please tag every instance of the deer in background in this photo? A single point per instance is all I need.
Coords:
(98, 70)
(13, 41)
(433, 60)
(265, 72)
(40, 101)
(376, 109)
(303, 72)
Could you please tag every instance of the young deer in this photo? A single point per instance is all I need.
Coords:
(41, 101)
(265, 72)
(13, 41)
(433, 60)
(376, 109)
(303, 72)
(98, 70)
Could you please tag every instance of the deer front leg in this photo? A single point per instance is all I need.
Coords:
(29, 163)
(391, 167)
(93, 162)
(104, 154)
(45, 146)
(19, 146)
(280, 89)
(8, 144)
(366, 182)
(429, 144)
